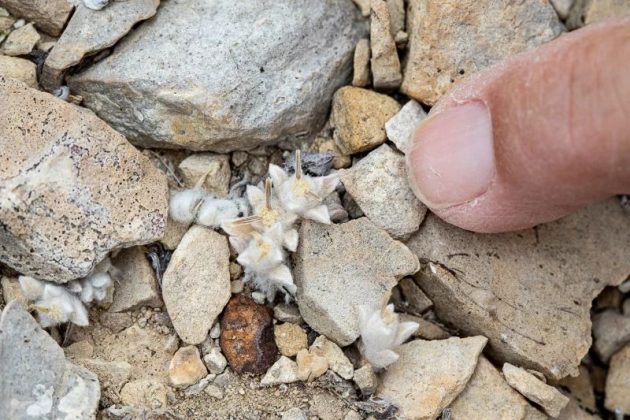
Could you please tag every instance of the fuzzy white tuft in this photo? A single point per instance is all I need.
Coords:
(184, 204)
(381, 333)
(54, 304)
(214, 211)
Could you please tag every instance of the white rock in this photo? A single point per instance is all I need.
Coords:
(284, 371)
(215, 361)
(339, 266)
(532, 388)
(401, 126)
(378, 183)
(264, 71)
(294, 414)
(429, 375)
(196, 284)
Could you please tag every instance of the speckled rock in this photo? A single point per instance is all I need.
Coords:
(36, 379)
(217, 168)
(337, 267)
(449, 40)
(266, 71)
(196, 285)
(429, 375)
(90, 31)
(378, 184)
(509, 286)
(136, 284)
(71, 188)
(247, 336)
(618, 381)
(487, 392)
(49, 15)
(20, 41)
(546, 396)
(19, 69)
(186, 367)
(359, 117)
(290, 338)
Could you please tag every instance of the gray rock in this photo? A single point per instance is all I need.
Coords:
(509, 286)
(338, 267)
(136, 284)
(19, 69)
(487, 392)
(49, 15)
(196, 283)
(611, 331)
(215, 361)
(265, 71)
(532, 388)
(366, 380)
(287, 313)
(284, 371)
(90, 31)
(429, 375)
(71, 188)
(21, 41)
(618, 383)
(378, 184)
(35, 378)
(401, 126)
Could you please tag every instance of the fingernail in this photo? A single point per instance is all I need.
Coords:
(451, 159)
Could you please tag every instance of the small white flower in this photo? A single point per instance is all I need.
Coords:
(184, 204)
(54, 304)
(381, 333)
(301, 194)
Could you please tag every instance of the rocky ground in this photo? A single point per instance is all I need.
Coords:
(107, 112)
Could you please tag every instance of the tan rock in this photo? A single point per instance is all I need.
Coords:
(618, 381)
(495, 285)
(573, 411)
(284, 371)
(487, 392)
(144, 393)
(137, 285)
(361, 75)
(196, 285)
(19, 69)
(396, 9)
(290, 338)
(532, 388)
(11, 290)
(337, 360)
(20, 41)
(366, 380)
(6, 23)
(378, 184)
(585, 12)
(359, 117)
(49, 15)
(215, 167)
(581, 388)
(427, 329)
(450, 40)
(310, 365)
(385, 63)
(71, 188)
(340, 266)
(174, 233)
(429, 375)
(186, 367)
(611, 332)
(90, 31)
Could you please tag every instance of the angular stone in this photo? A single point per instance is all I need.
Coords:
(618, 382)
(487, 392)
(71, 188)
(186, 367)
(36, 379)
(18, 69)
(136, 285)
(290, 338)
(287, 313)
(416, 302)
(196, 285)
(585, 12)
(546, 396)
(427, 330)
(217, 168)
(573, 411)
(310, 365)
(401, 126)
(90, 31)
(265, 71)
(338, 267)
(509, 286)
(366, 380)
(359, 117)
(215, 361)
(563, 7)
(385, 63)
(143, 393)
(49, 15)
(429, 375)
(611, 331)
(396, 9)
(337, 360)
(20, 41)
(361, 74)
(378, 184)
(247, 336)
(450, 40)
(284, 371)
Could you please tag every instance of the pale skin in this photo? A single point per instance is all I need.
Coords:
(531, 139)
